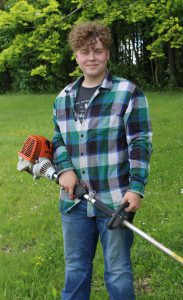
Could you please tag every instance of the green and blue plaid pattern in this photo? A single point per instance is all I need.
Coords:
(110, 150)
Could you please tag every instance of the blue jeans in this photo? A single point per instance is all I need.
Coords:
(80, 235)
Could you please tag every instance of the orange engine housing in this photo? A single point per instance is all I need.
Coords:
(36, 146)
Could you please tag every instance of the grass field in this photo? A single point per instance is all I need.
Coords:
(31, 248)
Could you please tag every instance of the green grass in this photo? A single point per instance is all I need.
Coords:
(31, 248)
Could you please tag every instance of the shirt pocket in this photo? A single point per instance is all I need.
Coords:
(105, 121)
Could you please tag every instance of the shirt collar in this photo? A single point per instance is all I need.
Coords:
(106, 83)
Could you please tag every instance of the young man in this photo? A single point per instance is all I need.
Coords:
(103, 140)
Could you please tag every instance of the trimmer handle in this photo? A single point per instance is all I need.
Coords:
(80, 191)
(118, 216)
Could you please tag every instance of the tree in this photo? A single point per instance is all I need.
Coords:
(33, 47)
(34, 55)
(148, 35)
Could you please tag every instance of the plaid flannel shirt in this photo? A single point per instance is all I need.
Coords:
(110, 150)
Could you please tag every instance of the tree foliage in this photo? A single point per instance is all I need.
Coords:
(34, 55)
(33, 45)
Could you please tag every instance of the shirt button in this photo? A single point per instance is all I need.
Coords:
(83, 172)
(82, 153)
(82, 135)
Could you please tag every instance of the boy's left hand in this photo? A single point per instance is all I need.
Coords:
(133, 199)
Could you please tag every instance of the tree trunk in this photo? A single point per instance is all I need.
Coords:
(152, 70)
(5, 81)
(172, 64)
(156, 73)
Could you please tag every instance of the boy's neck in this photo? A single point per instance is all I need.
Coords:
(90, 82)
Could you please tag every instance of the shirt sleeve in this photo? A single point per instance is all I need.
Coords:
(139, 140)
(61, 158)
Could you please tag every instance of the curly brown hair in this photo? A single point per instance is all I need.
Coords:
(88, 32)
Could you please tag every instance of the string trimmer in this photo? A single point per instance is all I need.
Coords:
(36, 158)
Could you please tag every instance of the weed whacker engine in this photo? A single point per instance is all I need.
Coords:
(36, 156)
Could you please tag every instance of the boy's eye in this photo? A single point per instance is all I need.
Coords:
(98, 51)
(84, 51)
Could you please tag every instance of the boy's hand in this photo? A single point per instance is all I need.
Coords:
(133, 199)
(68, 180)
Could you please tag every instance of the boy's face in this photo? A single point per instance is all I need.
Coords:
(92, 59)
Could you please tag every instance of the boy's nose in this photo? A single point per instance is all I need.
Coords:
(91, 55)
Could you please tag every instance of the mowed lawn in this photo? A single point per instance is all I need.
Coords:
(31, 246)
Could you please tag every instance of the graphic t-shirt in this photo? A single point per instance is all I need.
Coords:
(83, 97)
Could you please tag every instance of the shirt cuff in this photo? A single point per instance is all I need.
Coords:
(62, 167)
(137, 187)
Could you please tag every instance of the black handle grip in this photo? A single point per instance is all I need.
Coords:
(57, 179)
(104, 208)
(80, 191)
(117, 217)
